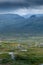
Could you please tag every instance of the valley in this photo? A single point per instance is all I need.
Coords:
(29, 51)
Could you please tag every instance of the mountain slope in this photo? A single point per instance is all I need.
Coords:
(9, 22)
(13, 23)
(34, 25)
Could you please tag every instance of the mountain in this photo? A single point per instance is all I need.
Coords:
(13, 23)
(9, 22)
(34, 25)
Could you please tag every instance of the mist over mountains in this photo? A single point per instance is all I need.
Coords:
(13, 23)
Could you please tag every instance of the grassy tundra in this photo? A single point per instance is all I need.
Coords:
(30, 53)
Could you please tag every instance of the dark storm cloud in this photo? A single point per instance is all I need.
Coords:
(13, 5)
(35, 2)
(38, 2)
(6, 4)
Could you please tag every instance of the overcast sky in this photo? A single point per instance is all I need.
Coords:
(21, 7)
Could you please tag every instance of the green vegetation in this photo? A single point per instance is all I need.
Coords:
(23, 58)
(24, 53)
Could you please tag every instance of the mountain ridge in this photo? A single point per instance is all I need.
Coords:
(13, 23)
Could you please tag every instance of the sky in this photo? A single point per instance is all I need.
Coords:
(21, 7)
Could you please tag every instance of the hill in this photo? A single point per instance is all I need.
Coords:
(13, 23)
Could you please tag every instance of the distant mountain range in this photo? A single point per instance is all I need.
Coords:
(13, 23)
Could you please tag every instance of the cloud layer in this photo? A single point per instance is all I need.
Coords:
(20, 3)
(21, 7)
